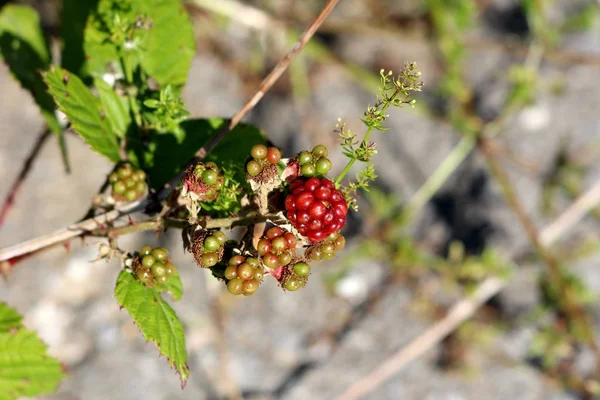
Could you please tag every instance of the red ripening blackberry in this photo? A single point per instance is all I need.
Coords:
(277, 247)
(316, 208)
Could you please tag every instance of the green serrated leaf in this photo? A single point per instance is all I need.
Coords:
(164, 47)
(169, 47)
(26, 52)
(83, 110)
(116, 107)
(9, 318)
(163, 156)
(156, 319)
(25, 367)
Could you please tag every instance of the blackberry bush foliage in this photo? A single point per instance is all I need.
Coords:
(122, 96)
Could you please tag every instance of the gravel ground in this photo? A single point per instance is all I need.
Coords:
(278, 347)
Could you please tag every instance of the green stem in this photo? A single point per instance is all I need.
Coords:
(437, 179)
(386, 104)
(351, 161)
(126, 65)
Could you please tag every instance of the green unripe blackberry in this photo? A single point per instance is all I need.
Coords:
(160, 253)
(320, 151)
(271, 260)
(144, 276)
(285, 258)
(259, 152)
(259, 274)
(119, 187)
(148, 261)
(130, 182)
(253, 262)
(159, 269)
(162, 279)
(212, 165)
(130, 195)
(302, 269)
(124, 171)
(139, 175)
(140, 187)
(146, 250)
(323, 165)
(292, 284)
(245, 271)
(209, 177)
(211, 243)
(230, 272)
(253, 168)
(220, 236)
(210, 259)
(249, 287)
(279, 244)
(263, 247)
(127, 183)
(305, 158)
(235, 286)
(237, 260)
(170, 268)
(308, 170)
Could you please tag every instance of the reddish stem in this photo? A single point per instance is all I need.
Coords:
(12, 194)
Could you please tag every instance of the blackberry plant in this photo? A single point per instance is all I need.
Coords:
(122, 96)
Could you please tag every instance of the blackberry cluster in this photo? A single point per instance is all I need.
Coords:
(295, 275)
(128, 184)
(205, 180)
(277, 247)
(152, 266)
(264, 161)
(315, 162)
(243, 275)
(326, 249)
(207, 247)
(316, 208)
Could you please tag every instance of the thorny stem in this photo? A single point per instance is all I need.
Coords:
(153, 225)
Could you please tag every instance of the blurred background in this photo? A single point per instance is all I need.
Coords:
(441, 219)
